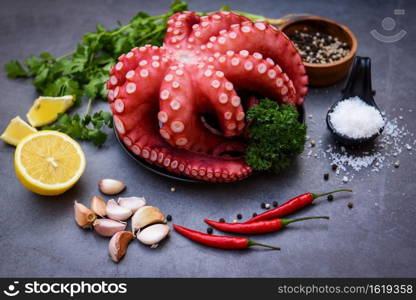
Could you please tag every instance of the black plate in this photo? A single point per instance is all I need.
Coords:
(163, 172)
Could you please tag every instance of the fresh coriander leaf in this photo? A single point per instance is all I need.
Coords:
(34, 63)
(89, 128)
(14, 69)
(178, 6)
(225, 8)
(91, 89)
(41, 77)
(75, 65)
(47, 56)
(63, 86)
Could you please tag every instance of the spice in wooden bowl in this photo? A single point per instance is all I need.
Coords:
(318, 47)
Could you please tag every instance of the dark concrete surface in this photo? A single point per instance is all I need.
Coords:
(38, 236)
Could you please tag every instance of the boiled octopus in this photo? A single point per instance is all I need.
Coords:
(162, 98)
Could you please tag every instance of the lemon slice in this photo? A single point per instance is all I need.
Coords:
(48, 162)
(16, 130)
(45, 110)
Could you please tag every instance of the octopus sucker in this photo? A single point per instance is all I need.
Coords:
(182, 106)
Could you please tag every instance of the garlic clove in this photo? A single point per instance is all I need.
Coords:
(118, 245)
(108, 227)
(144, 216)
(111, 186)
(153, 234)
(98, 205)
(117, 212)
(83, 215)
(134, 203)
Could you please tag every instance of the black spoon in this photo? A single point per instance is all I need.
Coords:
(359, 84)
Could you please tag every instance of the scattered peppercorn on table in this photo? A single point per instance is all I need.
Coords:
(370, 232)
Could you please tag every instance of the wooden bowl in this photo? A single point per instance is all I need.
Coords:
(327, 73)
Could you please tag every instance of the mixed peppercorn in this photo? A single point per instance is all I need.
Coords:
(318, 47)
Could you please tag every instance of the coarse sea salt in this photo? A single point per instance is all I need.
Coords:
(356, 119)
(384, 153)
(397, 140)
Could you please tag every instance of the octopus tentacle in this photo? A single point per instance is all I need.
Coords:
(271, 43)
(251, 70)
(223, 99)
(211, 25)
(181, 109)
(150, 57)
(150, 146)
(137, 86)
(180, 27)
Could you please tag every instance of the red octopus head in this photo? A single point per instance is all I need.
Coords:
(162, 98)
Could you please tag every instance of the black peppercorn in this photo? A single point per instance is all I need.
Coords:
(168, 218)
(334, 167)
(222, 220)
(239, 216)
(263, 205)
(326, 176)
(350, 205)
(209, 230)
(254, 215)
(330, 198)
(275, 204)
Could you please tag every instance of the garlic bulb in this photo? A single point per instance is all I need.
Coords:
(117, 212)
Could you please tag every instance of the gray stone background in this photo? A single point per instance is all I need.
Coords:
(38, 236)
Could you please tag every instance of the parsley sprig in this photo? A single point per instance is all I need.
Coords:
(276, 136)
(84, 72)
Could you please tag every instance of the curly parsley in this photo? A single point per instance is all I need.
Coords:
(276, 136)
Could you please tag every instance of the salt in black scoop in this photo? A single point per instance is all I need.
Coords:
(358, 84)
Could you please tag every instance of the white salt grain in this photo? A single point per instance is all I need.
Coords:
(356, 119)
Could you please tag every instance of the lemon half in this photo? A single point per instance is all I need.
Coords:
(45, 110)
(16, 131)
(49, 162)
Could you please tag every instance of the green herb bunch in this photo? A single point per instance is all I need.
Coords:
(84, 72)
(276, 136)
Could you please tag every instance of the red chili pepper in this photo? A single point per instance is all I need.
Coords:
(219, 241)
(258, 227)
(291, 206)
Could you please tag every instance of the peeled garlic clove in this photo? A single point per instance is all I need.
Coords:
(117, 212)
(118, 245)
(133, 203)
(83, 215)
(146, 215)
(107, 227)
(98, 205)
(111, 186)
(152, 235)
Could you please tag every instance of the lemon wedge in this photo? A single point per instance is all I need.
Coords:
(48, 162)
(16, 130)
(45, 110)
